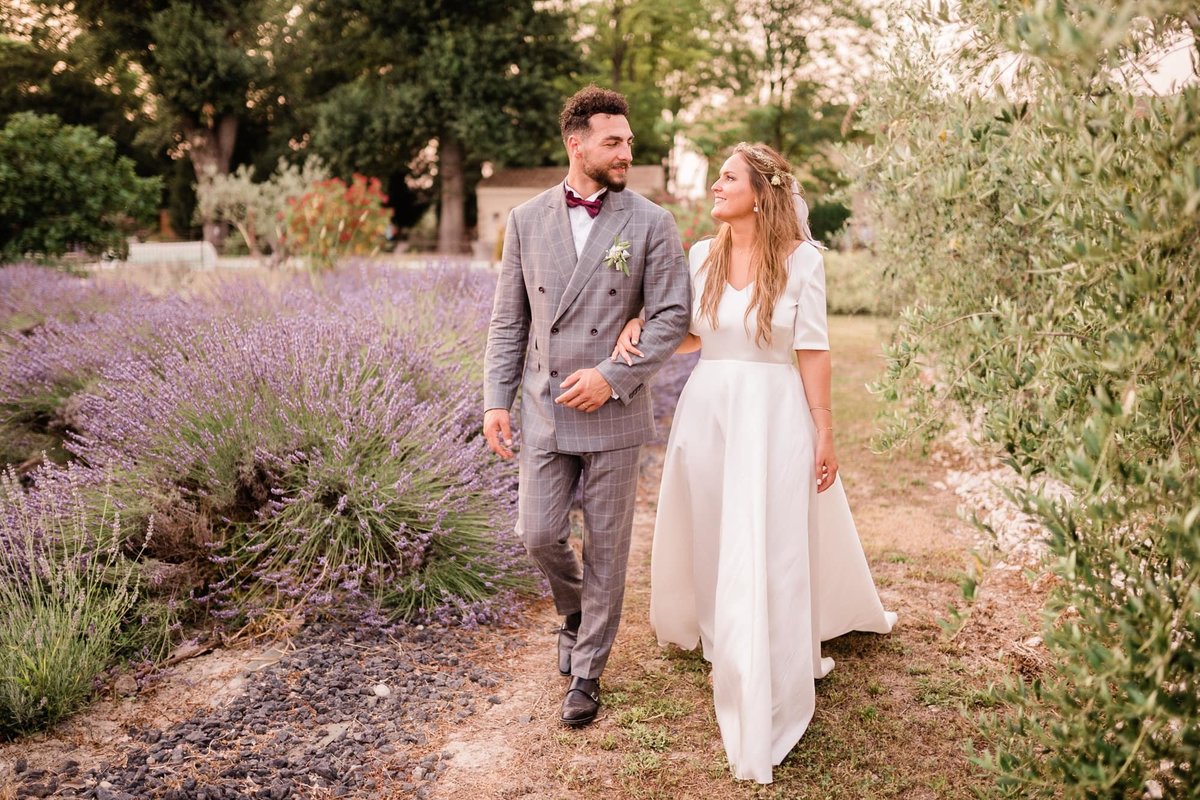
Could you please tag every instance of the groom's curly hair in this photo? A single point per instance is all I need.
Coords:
(589, 100)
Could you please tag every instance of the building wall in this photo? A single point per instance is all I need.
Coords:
(495, 202)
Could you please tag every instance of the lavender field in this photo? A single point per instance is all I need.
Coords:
(253, 455)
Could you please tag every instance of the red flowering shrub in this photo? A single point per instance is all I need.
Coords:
(694, 220)
(333, 220)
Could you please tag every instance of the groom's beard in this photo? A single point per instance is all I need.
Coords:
(604, 175)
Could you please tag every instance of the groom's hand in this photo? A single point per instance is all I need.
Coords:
(586, 390)
(497, 429)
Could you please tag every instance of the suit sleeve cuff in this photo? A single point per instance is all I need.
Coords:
(623, 390)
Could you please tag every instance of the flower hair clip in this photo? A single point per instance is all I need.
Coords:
(777, 176)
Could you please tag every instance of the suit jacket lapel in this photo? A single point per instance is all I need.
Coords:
(558, 226)
(609, 222)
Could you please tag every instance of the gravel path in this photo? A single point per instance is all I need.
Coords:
(343, 715)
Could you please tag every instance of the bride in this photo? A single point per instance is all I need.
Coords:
(755, 554)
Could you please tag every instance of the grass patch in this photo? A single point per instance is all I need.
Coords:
(954, 692)
(657, 708)
(649, 737)
(69, 597)
(640, 764)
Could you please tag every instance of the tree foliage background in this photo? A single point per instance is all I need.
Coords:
(418, 93)
(1043, 218)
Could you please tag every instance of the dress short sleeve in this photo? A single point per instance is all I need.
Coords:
(811, 329)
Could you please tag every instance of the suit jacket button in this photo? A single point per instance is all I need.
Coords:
(611, 292)
(553, 373)
(541, 289)
(594, 331)
(554, 330)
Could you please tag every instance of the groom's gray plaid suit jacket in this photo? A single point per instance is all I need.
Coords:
(554, 314)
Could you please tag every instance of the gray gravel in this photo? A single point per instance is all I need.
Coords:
(344, 715)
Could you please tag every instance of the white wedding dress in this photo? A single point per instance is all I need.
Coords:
(748, 560)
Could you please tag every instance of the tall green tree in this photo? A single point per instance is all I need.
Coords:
(48, 71)
(663, 55)
(476, 76)
(208, 68)
(781, 93)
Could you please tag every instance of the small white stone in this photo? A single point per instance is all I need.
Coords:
(105, 785)
(1154, 790)
(381, 690)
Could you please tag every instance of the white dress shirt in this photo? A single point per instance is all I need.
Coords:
(581, 220)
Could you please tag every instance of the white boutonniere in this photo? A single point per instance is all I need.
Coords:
(617, 256)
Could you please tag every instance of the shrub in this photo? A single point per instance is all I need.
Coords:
(190, 405)
(63, 186)
(333, 220)
(258, 210)
(32, 294)
(827, 220)
(694, 220)
(315, 456)
(855, 283)
(66, 597)
(1051, 235)
(44, 369)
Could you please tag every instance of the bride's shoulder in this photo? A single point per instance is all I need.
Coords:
(698, 252)
(806, 251)
(805, 264)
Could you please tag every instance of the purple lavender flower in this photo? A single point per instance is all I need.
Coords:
(329, 449)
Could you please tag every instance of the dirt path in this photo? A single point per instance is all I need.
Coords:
(892, 720)
(516, 748)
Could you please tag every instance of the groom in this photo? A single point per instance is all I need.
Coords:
(580, 260)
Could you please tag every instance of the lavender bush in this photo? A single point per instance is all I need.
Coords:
(31, 294)
(311, 439)
(294, 447)
(667, 386)
(315, 456)
(44, 369)
(67, 596)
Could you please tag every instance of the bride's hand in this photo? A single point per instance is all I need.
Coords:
(826, 462)
(627, 342)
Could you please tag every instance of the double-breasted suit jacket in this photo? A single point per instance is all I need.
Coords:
(555, 313)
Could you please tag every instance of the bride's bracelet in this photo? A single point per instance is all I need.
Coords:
(820, 408)
(829, 428)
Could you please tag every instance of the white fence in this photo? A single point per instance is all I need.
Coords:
(194, 254)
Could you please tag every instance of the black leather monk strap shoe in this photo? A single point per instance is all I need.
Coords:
(582, 702)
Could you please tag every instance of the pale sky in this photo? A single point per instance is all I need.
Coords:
(1161, 72)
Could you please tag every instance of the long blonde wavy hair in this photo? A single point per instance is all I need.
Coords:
(776, 231)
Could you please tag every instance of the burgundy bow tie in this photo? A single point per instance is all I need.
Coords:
(591, 206)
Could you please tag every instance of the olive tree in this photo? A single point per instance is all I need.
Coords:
(1041, 208)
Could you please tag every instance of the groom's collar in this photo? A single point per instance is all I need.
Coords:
(568, 187)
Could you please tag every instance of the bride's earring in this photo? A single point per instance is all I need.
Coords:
(756, 208)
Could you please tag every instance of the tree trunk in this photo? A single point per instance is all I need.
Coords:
(620, 45)
(211, 150)
(451, 224)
